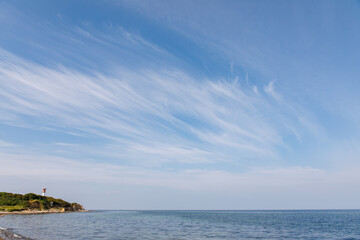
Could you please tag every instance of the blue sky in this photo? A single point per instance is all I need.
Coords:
(182, 104)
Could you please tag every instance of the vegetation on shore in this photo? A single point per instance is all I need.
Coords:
(11, 202)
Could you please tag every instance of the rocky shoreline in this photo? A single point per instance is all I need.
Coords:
(8, 234)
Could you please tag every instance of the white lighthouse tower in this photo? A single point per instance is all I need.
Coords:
(44, 191)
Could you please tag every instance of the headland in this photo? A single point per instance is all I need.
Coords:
(31, 203)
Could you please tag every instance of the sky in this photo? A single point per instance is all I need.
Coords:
(182, 104)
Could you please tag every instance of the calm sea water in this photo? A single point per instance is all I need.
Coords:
(188, 225)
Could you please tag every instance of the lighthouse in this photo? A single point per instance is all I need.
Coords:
(44, 191)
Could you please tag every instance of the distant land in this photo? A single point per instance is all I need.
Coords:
(32, 203)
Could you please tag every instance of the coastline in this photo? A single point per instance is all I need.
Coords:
(34, 212)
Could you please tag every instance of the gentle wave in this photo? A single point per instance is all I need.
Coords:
(187, 225)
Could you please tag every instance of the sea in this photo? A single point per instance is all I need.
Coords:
(299, 224)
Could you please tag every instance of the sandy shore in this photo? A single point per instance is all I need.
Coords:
(32, 212)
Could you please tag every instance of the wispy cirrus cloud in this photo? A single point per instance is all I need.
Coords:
(270, 89)
(139, 101)
(146, 99)
(146, 114)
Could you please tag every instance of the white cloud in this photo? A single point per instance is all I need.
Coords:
(167, 113)
(49, 167)
(271, 188)
(305, 179)
(5, 144)
(270, 89)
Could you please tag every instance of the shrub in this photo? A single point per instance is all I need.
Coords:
(18, 202)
